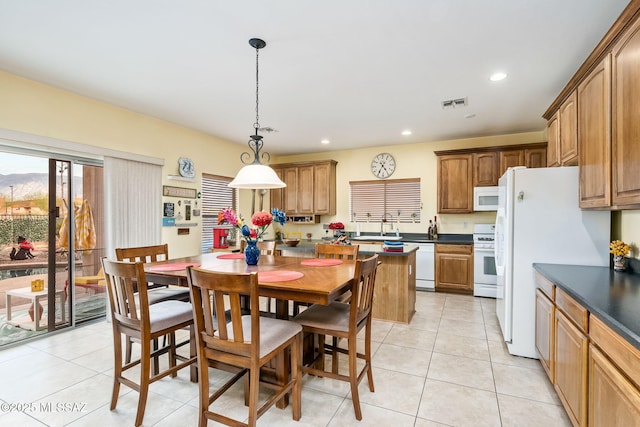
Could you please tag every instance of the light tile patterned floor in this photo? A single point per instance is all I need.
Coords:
(447, 368)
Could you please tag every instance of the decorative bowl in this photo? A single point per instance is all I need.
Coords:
(292, 242)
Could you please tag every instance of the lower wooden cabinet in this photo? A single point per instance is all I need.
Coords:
(570, 371)
(545, 313)
(613, 400)
(454, 268)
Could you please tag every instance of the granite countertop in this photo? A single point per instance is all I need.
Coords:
(611, 296)
(450, 239)
(366, 249)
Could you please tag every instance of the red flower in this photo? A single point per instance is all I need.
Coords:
(336, 226)
(261, 219)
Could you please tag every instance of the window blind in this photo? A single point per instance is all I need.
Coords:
(398, 199)
(216, 194)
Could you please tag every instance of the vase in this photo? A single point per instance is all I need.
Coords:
(619, 263)
(251, 253)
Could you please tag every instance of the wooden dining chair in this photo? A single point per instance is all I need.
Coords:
(156, 292)
(266, 248)
(327, 250)
(133, 316)
(248, 342)
(345, 320)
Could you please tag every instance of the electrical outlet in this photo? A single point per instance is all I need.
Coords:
(464, 225)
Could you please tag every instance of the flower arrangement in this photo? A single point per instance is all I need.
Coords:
(619, 248)
(260, 221)
(336, 226)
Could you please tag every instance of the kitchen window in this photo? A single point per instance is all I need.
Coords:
(216, 194)
(398, 198)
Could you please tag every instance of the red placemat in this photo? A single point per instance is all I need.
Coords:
(232, 256)
(174, 266)
(278, 276)
(319, 262)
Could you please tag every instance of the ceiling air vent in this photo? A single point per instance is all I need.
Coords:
(454, 103)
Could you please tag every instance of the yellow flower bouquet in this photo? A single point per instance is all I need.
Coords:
(619, 250)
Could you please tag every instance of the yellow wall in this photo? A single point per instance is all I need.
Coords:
(31, 107)
(413, 161)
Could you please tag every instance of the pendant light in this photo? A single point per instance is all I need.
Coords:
(255, 175)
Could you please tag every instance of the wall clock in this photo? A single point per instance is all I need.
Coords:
(186, 167)
(383, 165)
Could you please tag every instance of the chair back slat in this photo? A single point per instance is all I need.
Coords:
(363, 287)
(325, 250)
(143, 253)
(226, 290)
(122, 280)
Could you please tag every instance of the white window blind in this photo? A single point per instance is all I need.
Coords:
(371, 200)
(215, 195)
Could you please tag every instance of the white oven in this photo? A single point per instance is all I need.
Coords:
(485, 198)
(484, 261)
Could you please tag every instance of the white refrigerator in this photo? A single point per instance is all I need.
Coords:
(538, 220)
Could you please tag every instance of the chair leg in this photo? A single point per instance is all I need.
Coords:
(203, 384)
(254, 389)
(335, 356)
(321, 341)
(172, 351)
(156, 359)
(128, 347)
(367, 355)
(145, 372)
(353, 377)
(117, 368)
(296, 374)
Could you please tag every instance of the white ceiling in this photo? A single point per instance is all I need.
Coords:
(356, 72)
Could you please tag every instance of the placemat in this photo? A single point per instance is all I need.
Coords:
(278, 276)
(232, 256)
(174, 266)
(319, 262)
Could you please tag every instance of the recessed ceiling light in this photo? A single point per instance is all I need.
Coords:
(325, 141)
(498, 76)
(406, 132)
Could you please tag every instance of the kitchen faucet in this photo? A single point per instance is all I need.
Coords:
(383, 220)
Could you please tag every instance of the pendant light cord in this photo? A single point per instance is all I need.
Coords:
(256, 125)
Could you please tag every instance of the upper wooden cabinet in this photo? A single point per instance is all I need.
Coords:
(485, 169)
(594, 137)
(455, 191)
(461, 170)
(310, 190)
(553, 141)
(625, 155)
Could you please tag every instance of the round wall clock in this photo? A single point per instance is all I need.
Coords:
(186, 167)
(383, 165)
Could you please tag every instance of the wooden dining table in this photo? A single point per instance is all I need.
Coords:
(315, 284)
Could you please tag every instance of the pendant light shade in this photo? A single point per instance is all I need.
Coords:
(255, 175)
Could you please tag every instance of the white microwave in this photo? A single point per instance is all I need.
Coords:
(485, 198)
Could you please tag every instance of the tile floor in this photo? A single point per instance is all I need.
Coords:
(447, 368)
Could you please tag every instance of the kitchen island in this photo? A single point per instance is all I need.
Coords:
(394, 296)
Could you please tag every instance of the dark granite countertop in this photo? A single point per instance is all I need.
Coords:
(450, 239)
(366, 249)
(611, 296)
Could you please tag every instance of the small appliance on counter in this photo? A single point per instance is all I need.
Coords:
(221, 236)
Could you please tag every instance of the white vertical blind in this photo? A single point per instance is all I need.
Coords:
(216, 194)
(133, 204)
(371, 200)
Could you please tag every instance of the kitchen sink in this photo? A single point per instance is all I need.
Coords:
(380, 238)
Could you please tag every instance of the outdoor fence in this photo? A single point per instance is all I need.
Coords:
(34, 227)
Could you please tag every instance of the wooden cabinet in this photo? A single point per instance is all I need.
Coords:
(394, 295)
(568, 142)
(310, 190)
(455, 191)
(454, 268)
(461, 170)
(614, 374)
(553, 141)
(625, 155)
(545, 314)
(594, 137)
(485, 169)
(570, 372)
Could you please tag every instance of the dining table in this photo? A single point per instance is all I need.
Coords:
(283, 278)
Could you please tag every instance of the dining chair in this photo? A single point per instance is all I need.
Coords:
(247, 342)
(134, 317)
(345, 320)
(156, 292)
(266, 248)
(327, 250)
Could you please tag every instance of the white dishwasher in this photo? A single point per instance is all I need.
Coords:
(425, 267)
